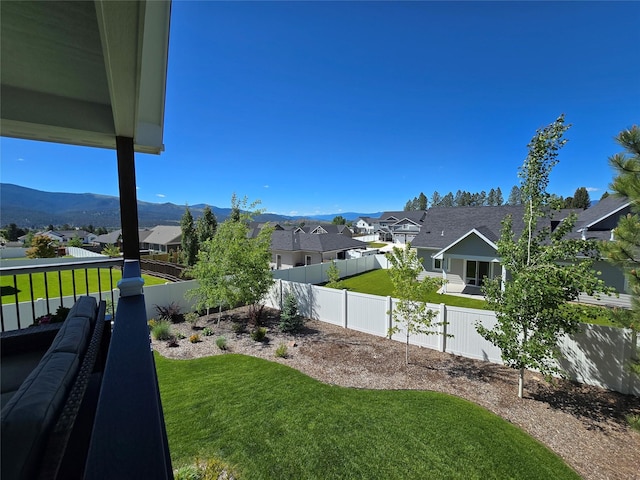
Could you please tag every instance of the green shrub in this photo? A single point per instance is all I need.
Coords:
(180, 336)
(188, 472)
(172, 342)
(259, 334)
(192, 318)
(281, 351)
(634, 422)
(290, 320)
(207, 332)
(161, 330)
(238, 328)
(195, 338)
(221, 342)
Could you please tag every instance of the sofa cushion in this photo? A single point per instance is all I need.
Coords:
(84, 306)
(73, 337)
(32, 411)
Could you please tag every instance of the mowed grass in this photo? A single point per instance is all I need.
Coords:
(8, 290)
(377, 282)
(272, 422)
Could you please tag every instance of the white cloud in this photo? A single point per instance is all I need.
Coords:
(293, 212)
(161, 195)
(21, 159)
(266, 186)
(592, 189)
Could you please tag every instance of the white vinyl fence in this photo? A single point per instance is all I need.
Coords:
(596, 356)
(317, 273)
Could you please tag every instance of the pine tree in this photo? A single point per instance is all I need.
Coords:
(624, 251)
(189, 238)
(514, 196)
(436, 199)
(422, 202)
(581, 198)
(499, 200)
(206, 225)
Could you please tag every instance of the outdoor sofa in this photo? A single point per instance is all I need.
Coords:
(51, 377)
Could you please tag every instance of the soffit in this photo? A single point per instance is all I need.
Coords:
(84, 72)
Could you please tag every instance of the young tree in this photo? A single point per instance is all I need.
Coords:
(41, 247)
(75, 242)
(333, 275)
(624, 250)
(290, 320)
(233, 268)
(111, 251)
(206, 225)
(532, 306)
(411, 313)
(189, 238)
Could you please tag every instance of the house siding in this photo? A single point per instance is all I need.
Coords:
(472, 247)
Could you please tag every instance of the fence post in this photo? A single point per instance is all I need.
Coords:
(389, 315)
(443, 333)
(344, 308)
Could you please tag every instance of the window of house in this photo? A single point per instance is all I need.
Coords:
(439, 264)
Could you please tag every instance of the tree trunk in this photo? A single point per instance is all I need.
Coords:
(520, 383)
(406, 350)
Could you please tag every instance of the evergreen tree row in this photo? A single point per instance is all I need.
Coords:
(462, 198)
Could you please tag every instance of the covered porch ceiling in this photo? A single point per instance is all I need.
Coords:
(84, 72)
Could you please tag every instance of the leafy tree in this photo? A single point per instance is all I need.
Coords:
(75, 242)
(339, 220)
(408, 206)
(515, 197)
(42, 247)
(206, 225)
(532, 307)
(189, 238)
(581, 198)
(232, 268)
(12, 232)
(111, 251)
(333, 276)
(624, 250)
(411, 313)
(236, 214)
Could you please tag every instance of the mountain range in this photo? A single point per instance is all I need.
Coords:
(30, 208)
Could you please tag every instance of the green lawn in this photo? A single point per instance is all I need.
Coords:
(272, 422)
(377, 282)
(7, 288)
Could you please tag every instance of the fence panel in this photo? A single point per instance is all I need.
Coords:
(422, 340)
(367, 313)
(466, 341)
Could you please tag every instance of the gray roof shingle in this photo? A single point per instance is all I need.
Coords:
(287, 240)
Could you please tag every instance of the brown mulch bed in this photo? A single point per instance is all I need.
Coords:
(584, 425)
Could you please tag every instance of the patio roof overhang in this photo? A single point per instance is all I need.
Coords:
(84, 73)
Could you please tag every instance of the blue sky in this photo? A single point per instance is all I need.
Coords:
(329, 107)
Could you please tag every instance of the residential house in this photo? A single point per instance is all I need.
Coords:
(598, 223)
(161, 238)
(364, 225)
(460, 243)
(63, 237)
(295, 248)
(399, 227)
(326, 228)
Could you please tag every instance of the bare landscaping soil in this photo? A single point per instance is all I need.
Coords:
(584, 425)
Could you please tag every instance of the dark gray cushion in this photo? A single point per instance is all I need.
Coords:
(85, 306)
(32, 411)
(73, 337)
